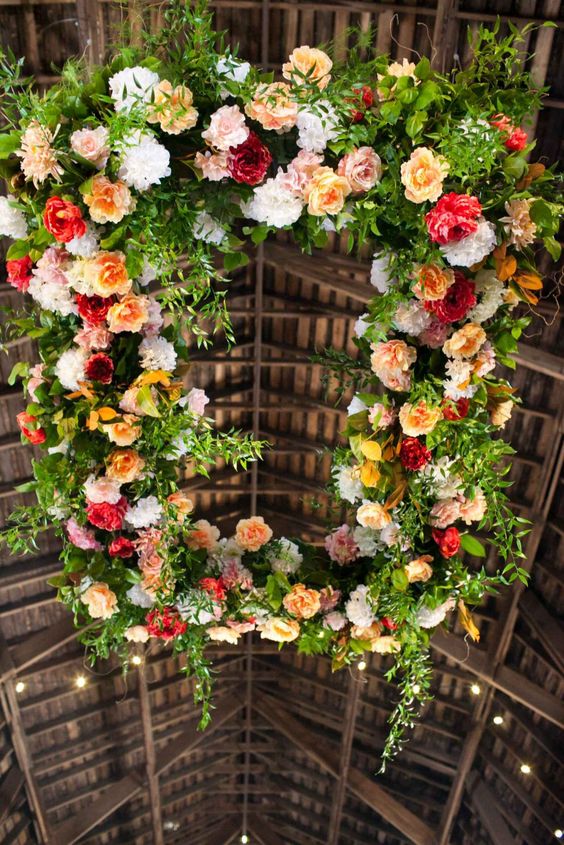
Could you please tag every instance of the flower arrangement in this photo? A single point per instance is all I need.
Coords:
(126, 182)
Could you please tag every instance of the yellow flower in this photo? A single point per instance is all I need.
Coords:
(418, 419)
(301, 602)
(280, 630)
(326, 192)
(172, 108)
(308, 65)
(422, 176)
(419, 569)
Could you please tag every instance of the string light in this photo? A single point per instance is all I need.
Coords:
(498, 720)
(526, 769)
(244, 839)
(361, 665)
(475, 689)
(80, 681)
(20, 686)
(416, 688)
(136, 660)
(559, 833)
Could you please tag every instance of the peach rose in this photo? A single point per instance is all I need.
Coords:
(369, 634)
(445, 512)
(392, 355)
(362, 169)
(398, 69)
(466, 342)
(125, 432)
(252, 533)
(222, 634)
(183, 505)
(299, 172)
(129, 314)
(136, 634)
(473, 510)
(302, 602)
(227, 128)
(124, 465)
(373, 515)
(273, 107)
(92, 144)
(418, 419)
(432, 282)
(385, 645)
(500, 412)
(108, 201)
(213, 165)
(419, 569)
(203, 535)
(100, 600)
(172, 108)
(326, 192)
(422, 176)
(106, 274)
(280, 630)
(308, 65)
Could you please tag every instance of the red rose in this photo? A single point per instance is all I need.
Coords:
(121, 547)
(453, 218)
(249, 162)
(448, 540)
(99, 367)
(364, 100)
(63, 219)
(19, 273)
(413, 454)
(517, 139)
(106, 516)
(165, 624)
(459, 299)
(214, 587)
(388, 623)
(34, 435)
(454, 411)
(94, 309)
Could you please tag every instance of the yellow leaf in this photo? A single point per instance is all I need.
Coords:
(529, 280)
(107, 413)
(369, 475)
(371, 450)
(153, 377)
(467, 622)
(92, 423)
(396, 497)
(506, 268)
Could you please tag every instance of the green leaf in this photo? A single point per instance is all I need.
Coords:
(19, 370)
(553, 247)
(415, 123)
(472, 545)
(19, 249)
(146, 402)
(399, 580)
(259, 234)
(134, 263)
(232, 260)
(9, 143)
(423, 68)
(113, 238)
(541, 213)
(390, 111)
(514, 166)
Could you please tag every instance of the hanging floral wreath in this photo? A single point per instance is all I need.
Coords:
(126, 182)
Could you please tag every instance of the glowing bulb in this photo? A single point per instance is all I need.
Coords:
(416, 688)
(80, 681)
(525, 768)
(475, 689)
(136, 660)
(244, 839)
(20, 686)
(361, 665)
(559, 833)
(498, 720)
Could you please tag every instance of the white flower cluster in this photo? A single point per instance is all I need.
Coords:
(139, 597)
(157, 353)
(430, 618)
(144, 162)
(367, 540)
(443, 483)
(207, 229)
(380, 273)
(12, 220)
(318, 126)
(132, 87)
(52, 296)
(459, 372)
(359, 608)
(86, 246)
(472, 249)
(491, 296)
(70, 368)
(348, 483)
(287, 559)
(274, 205)
(356, 406)
(412, 318)
(144, 513)
(232, 69)
(361, 325)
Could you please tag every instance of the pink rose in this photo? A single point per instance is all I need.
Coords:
(434, 335)
(381, 417)
(241, 627)
(197, 401)
(50, 267)
(213, 165)
(445, 512)
(92, 144)
(362, 168)
(473, 510)
(234, 574)
(102, 489)
(227, 128)
(93, 337)
(82, 537)
(341, 545)
(36, 378)
(328, 599)
(299, 172)
(335, 620)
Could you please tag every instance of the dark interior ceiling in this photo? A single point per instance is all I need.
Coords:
(292, 748)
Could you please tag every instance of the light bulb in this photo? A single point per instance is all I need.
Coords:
(136, 660)
(361, 665)
(244, 839)
(80, 681)
(526, 769)
(559, 833)
(475, 689)
(20, 686)
(416, 688)
(498, 720)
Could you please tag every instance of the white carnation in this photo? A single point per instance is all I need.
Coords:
(361, 326)
(287, 558)
(52, 296)
(380, 273)
(429, 618)
(317, 127)
(358, 608)
(139, 597)
(444, 484)
(348, 483)
(84, 247)
(412, 318)
(491, 293)
(70, 368)
(367, 540)
(144, 513)
(12, 220)
(459, 372)
(274, 205)
(157, 353)
(473, 248)
(196, 607)
(132, 87)
(207, 229)
(356, 406)
(148, 274)
(144, 162)
(109, 491)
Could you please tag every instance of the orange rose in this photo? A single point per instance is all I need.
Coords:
(106, 274)
(273, 107)
(124, 465)
(136, 634)
(125, 432)
(308, 65)
(466, 342)
(372, 515)
(222, 634)
(108, 201)
(423, 175)
(100, 600)
(301, 602)
(252, 533)
(183, 505)
(280, 630)
(326, 192)
(373, 632)
(385, 645)
(418, 419)
(419, 569)
(172, 108)
(432, 282)
(203, 535)
(129, 314)
(500, 412)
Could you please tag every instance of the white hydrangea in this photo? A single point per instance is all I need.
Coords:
(348, 483)
(412, 318)
(288, 559)
(12, 220)
(132, 87)
(444, 483)
(230, 68)
(52, 296)
(359, 609)
(157, 353)
(362, 325)
(103, 489)
(144, 162)
(86, 246)
(459, 372)
(139, 597)
(367, 540)
(430, 618)
(380, 273)
(274, 205)
(356, 406)
(70, 368)
(317, 126)
(472, 249)
(144, 513)
(207, 229)
(491, 293)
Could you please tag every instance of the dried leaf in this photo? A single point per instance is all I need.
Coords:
(396, 497)
(530, 281)
(369, 474)
(467, 622)
(107, 413)
(506, 268)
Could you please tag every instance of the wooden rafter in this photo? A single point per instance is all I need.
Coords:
(150, 754)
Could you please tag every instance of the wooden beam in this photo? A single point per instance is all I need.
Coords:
(349, 725)
(359, 784)
(263, 831)
(546, 627)
(39, 645)
(486, 806)
(10, 789)
(541, 361)
(150, 755)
